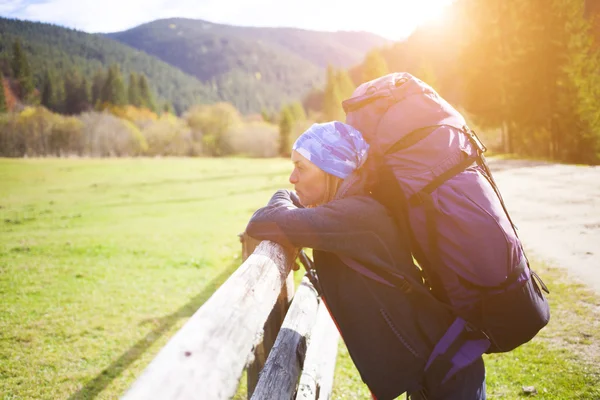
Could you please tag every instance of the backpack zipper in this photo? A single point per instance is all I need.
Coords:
(388, 320)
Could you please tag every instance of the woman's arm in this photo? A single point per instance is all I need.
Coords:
(352, 226)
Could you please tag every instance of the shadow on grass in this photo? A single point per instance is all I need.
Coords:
(100, 382)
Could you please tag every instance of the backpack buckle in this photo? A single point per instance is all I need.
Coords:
(474, 139)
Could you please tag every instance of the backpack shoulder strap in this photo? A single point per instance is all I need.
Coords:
(460, 346)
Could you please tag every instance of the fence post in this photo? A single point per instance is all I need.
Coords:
(279, 378)
(272, 325)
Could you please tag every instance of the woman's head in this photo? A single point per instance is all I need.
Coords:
(323, 157)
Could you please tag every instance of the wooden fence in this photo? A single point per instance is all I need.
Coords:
(256, 321)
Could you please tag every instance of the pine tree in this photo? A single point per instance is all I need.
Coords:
(3, 105)
(297, 111)
(266, 115)
(147, 98)
(97, 86)
(21, 72)
(582, 66)
(77, 98)
(374, 66)
(530, 67)
(345, 84)
(487, 60)
(332, 99)
(427, 74)
(48, 95)
(113, 90)
(285, 129)
(168, 108)
(133, 91)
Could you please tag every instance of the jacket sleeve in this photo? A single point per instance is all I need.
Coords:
(342, 226)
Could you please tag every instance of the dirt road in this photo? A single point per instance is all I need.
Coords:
(557, 211)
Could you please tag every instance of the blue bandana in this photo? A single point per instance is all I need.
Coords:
(334, 147)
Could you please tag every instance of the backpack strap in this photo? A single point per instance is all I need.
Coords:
(424, 194)
(309, 266)
(414, 137)
(461, 345)
(423, 197)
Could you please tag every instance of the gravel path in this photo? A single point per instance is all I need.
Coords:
(557, 211)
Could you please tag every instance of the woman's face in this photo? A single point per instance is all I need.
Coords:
(309, 181)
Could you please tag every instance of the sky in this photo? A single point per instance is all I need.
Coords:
(392, 19)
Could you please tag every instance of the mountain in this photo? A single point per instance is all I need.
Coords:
(60, 49)
(193, 61)
(341, 49)
(268, 63)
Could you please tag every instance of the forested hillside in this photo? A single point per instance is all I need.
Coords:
(61, 51)
(190, 61)
(246, 65)
(526, 70)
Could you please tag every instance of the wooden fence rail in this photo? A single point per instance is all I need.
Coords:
(243, 320)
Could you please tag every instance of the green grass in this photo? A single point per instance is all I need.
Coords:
(101, 261)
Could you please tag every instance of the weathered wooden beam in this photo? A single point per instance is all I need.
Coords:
(316, 381)
(279, 377)
(249, 244)
(271, 328)
(206, 357)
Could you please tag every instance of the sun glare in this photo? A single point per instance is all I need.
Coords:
(404, 16)
(425, 11)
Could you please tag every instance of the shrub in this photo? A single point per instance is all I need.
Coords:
(255, 139)
(136, 115)
(11, 143)
(170, 136)
(66, 137)
(105, 135)
(34, 126)
(210, 124)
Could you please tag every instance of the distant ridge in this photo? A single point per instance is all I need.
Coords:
(287, 61)
(193, 61)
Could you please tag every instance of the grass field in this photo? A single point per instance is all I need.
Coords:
(101, 261)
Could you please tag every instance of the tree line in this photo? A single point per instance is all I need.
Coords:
(108, 116)
(60, 50)
(525, 74)
(74, 94)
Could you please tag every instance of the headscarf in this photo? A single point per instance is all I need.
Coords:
(334, 147)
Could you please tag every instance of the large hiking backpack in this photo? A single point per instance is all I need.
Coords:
(431, 173)
(400, 337)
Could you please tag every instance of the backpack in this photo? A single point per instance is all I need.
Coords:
(428, 168)
(400, 338)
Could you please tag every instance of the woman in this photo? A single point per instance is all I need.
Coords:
(356, 246)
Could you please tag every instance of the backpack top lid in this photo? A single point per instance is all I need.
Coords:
(402, 100)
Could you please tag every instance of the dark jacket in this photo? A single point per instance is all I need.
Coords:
(388, 339)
